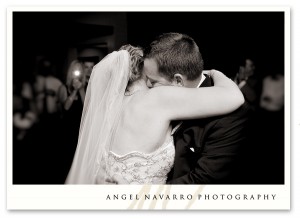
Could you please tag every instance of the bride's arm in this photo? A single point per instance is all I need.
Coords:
(190, 103)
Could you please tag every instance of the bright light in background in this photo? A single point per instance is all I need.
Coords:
(76, 73)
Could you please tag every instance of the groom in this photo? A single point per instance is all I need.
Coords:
(208, 151)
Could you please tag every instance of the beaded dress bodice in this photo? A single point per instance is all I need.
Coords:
(142, 168)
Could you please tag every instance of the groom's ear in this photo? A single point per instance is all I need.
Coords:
(178, 80)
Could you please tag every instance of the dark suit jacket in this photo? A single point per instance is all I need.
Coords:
(208, 150)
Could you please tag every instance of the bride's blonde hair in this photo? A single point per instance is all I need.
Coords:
(137, 61)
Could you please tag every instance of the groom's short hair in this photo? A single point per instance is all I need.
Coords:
(176, 53)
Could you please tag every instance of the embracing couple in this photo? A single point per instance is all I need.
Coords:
(158, 118)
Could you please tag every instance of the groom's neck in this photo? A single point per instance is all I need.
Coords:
(193, 83)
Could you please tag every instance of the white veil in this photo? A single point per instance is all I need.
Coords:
(101, 112)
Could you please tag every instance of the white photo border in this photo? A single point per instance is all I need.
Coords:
(181, 197)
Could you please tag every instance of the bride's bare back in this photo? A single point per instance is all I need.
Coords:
(140, 128)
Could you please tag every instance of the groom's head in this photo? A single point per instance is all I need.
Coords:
(173, 59)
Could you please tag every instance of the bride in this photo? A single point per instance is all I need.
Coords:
(125, 132)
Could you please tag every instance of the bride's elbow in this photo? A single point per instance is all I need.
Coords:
(238, 99)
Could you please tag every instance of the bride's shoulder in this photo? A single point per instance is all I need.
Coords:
(152, 99)
(141, 103)
(161, 95)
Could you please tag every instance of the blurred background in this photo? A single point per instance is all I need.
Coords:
(54, 53)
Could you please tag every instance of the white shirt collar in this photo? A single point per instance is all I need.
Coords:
(202, 79)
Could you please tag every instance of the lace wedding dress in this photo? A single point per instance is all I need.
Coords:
(142, 168)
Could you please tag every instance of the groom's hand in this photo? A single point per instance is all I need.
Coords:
(115, 180)
(111, 181)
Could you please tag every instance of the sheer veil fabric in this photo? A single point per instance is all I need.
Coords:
(100, 116)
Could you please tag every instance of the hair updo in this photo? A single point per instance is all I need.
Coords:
(136, 61)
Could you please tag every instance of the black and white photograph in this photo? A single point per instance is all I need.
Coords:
(192, 104)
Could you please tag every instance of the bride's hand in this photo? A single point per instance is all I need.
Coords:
(217, 76)
(77, 84)
(211, 72)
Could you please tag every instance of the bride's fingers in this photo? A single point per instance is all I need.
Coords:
(209, 72)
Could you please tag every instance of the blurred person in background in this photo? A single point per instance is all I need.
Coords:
(266, 137)
(24, 115)
(248, 82)
(88, 64)
(24, 127)
(71, 100)
(46, 138)
(272, 97)
(46, 89)
(271, 128)
(72, 92)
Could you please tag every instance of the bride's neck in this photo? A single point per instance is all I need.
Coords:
(137, 85)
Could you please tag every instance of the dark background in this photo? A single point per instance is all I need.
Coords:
(223, 38)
